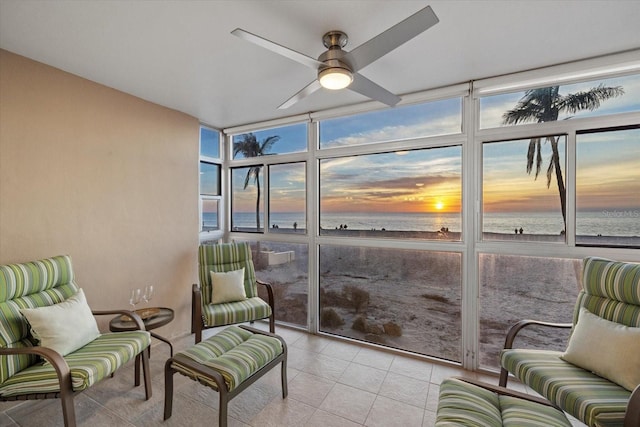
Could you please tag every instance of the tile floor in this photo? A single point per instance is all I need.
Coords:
(331, 383)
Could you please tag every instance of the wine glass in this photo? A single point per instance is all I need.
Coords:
(134, 298)
(148, 293)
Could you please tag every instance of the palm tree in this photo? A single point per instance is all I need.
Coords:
(249, 146)
(545, 105)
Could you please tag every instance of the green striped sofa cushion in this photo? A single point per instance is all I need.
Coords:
(29, 285)
(234, 352)
(611, 290)
(588, 397)
(464, 404)
(225, 257)
(88, 365)
(235, 312)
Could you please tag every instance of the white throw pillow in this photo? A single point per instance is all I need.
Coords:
(606, 348)
(227, 286)
(64, 327)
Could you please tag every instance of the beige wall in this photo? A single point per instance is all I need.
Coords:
(108, 178)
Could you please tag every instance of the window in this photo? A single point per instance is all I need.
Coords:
(406, 299)
(210, 178)
(404, 194)
(403, 122)
(247, 201)
(287, 198)
(587, 99)
(210, 220)
(209, 143)
(607, 187)
(522, 203)
(513, 288)
(285, 266)
(281, 140)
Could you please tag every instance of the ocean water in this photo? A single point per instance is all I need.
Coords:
(613, 222)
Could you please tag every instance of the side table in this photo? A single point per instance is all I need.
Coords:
(152, 317)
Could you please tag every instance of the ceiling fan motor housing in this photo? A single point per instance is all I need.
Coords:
(334, 41)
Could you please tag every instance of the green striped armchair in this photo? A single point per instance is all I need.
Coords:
(611, 296)
(207, 313)
(31, 371)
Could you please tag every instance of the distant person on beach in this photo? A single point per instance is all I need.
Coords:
(295, 226)
(520, 230)
(516, 230)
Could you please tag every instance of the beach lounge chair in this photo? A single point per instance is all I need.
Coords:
(597, 379)
(228, 291)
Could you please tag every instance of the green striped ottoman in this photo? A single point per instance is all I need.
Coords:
(465, 402)
(228, 362)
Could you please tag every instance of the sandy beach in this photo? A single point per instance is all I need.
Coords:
(412, 299)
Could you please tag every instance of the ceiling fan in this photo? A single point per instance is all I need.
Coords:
(338, 69)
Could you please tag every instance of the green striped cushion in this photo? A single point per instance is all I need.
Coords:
(88, 365)
(611, 291)
(524, 413)
(464, 404)
(225, 257)
(29, 285)
(580, 393)
(235, 352)
(235, 312)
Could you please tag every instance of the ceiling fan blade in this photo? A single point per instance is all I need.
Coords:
(366, 87)
(306, 91)
(279, 49)
(390, 39)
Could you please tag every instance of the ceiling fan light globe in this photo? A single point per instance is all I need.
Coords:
(335, 78)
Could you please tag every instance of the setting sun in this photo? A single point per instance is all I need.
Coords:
(439, 205)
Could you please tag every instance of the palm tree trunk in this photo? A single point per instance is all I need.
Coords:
(561, 189)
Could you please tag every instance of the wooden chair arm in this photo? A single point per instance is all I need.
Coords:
(506, 391)
(632, 416)
(132, 314)
(57, 361)
(269, 292)
(196, 308)
(513, 331)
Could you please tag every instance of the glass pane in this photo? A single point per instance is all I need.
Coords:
(287, 198)
(407, 194)
(513, 288)
(210, 217)
(209, 142)
(209, 179)
(285, 266)
(410, 121)
(587, 99)
(281, 140)
(405, 299)
(520, 205)
(607, 188)
(247, 204)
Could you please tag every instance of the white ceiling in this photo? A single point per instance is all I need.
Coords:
(181, 54)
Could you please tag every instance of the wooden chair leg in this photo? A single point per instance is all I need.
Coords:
(504, 376)
(146, 372)
(224, 401)
(283, 376)
(68, 411)
(168, 389)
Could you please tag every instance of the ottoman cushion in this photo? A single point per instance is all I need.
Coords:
(464, 404)
(234, 352)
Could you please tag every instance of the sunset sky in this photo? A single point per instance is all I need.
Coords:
(429, 180)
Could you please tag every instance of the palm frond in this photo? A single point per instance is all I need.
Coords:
(589, 100)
